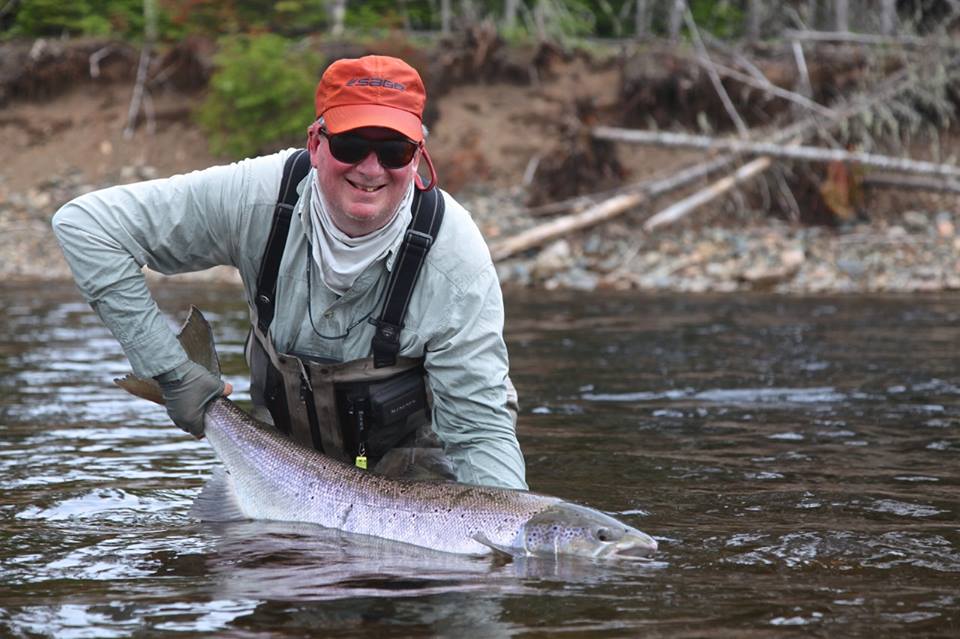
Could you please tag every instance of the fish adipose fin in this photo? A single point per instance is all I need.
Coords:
(505, 550)
(218, 499)
(196, 337)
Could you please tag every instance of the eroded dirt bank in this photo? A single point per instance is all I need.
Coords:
(501, 135)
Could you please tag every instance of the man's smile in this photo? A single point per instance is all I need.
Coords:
(364, 188)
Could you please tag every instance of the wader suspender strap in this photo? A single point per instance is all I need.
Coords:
(428, 209)
(294, 170)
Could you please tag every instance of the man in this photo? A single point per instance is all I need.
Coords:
(344, 280)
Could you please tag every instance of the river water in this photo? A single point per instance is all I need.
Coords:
(797, 459)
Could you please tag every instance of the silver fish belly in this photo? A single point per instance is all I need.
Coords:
(270, 477)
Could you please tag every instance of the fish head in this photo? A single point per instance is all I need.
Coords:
(566, 529)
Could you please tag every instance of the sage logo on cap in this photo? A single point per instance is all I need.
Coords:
(375, 82)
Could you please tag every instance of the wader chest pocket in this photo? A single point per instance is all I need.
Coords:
(376, 416)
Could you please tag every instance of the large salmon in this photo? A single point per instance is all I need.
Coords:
(268, 476)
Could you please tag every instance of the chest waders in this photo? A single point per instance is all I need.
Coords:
(372, 411)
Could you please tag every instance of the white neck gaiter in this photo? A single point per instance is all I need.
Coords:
(342, 258)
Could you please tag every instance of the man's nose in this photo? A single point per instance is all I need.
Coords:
(370, 164)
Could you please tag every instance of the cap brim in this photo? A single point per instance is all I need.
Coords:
(355, 116)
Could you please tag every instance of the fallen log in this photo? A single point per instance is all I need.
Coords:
(808, 153)
(561, 226)
(681, 208)
(640, 193)
(644, 191)
(847, 37)
(918, 183)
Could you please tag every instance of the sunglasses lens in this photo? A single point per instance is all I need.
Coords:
(395, 154)
(349, 149)
(352, 149)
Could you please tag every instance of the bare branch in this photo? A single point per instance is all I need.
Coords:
(918, 183)
(872, 39)
(768, 87)
(808, 153)
(704, 56)
(681, 208)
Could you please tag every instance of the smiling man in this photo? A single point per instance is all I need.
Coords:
(376, 313)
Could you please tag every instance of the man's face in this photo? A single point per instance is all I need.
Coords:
(364, 196)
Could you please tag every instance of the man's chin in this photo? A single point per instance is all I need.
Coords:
(360, 220)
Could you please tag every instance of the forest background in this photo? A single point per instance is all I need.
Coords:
(225, 80)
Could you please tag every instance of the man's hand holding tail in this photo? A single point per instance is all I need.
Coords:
(187, 389)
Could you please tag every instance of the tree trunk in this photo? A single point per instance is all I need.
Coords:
(888, 17)
(540, 18)
(338, 15)
(675, 20)
(841, 15)
(642, 20)
(510, 8)
(140, 96)
(753, 20)
(445, 16)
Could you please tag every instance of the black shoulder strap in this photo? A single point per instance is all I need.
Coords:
(428, 209)
(294, 170)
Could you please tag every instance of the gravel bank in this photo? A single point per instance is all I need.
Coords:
(748, 251)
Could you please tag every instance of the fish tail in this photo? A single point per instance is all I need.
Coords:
(196, 337)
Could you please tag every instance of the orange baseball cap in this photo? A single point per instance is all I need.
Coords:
(374, 90)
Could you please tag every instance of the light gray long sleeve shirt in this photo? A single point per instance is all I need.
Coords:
(223, 215)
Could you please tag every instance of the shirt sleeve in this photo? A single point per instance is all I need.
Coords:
(467, 366)
(174, 225)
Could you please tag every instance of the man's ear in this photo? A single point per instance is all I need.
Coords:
(313, 142)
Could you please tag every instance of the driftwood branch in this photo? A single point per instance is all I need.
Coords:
(566, 224)
(914, 182)
(772, 89)
(610, 208)
(806, 86)
(681, 208)
(97, 56)
(704, 59)
(846, 37)
(690, 203)
(808, 153)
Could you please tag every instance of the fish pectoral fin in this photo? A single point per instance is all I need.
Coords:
(218, 499)
(143, 388)
(500, 548)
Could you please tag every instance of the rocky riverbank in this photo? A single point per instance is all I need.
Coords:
(723, 252)
(919, 252)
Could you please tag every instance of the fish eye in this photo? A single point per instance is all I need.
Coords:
(603, 534)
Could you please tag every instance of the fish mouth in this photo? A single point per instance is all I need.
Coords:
(632, 547)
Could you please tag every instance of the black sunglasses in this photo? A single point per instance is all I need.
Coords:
(351, 148)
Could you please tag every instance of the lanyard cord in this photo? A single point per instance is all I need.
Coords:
(310, 305)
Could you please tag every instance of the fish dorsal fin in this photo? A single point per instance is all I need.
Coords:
(196, 337)
(218, 499)
(500, 548)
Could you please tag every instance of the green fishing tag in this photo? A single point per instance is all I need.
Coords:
(361, 461)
